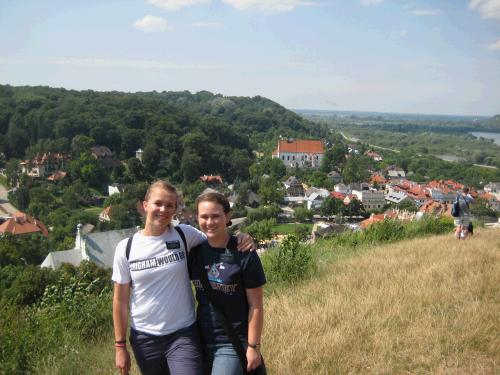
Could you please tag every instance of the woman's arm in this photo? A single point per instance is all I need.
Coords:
(120, 322)
(255, 324)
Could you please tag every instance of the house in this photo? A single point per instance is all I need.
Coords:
(105, 214)
(353, 149)
(44, 164)
(443, 195)
(436, 208)
(300, 152)
(492, 187)
(115, 189)
(22, 223)
(293, 187)
(370, 199)
(343, 189)
(396, 174)
(337, 195)
(105, 156)
(335, 177)
(378, 179)
(95, 247)
(493, 201)
(57, 176)
(324, 230)
(212, 180)
(374, 156)
(395, 196)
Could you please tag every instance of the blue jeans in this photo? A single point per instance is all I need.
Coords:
(224, 359)
(178, 353)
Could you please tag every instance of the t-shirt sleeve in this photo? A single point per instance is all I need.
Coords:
(252, 271)
(121, 270)
(194, 237)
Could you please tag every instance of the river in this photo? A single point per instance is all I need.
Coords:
(487, 135)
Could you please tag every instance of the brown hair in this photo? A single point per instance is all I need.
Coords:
(161, 184)
(465, 189)
(214, 197)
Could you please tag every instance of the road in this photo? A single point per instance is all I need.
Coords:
(6, 209)
(373, 146)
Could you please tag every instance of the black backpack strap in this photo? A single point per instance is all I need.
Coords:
(129, 246)
(183, 238)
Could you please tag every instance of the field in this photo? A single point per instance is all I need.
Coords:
(421, 306)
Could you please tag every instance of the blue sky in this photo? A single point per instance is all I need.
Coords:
(434, 57)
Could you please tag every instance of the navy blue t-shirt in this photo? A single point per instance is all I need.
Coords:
(229, 273)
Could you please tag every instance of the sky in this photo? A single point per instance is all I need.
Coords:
(422, 56)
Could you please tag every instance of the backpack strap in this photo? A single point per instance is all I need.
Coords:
(183, 237)
(219, 312)
(129, 246)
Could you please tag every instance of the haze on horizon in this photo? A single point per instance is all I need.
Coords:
(422, 56)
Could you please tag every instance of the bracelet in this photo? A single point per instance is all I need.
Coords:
(254, 346)
(120, 346)
(120, 341)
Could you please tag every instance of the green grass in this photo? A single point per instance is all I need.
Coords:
(290, 228)
(3, 181)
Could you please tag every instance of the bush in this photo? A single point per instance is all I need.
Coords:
(291, 262)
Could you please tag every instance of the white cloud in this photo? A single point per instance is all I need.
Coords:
(176, 4)
(486, 8)
(268, 5)
(495, 45)
(205, 24)
(150, 24)
(426, 12)
(370, 2)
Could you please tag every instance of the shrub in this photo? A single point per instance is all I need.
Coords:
(291, 262)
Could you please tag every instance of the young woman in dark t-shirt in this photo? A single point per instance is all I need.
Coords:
(237, 280)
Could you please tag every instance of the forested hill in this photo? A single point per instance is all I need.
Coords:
(202, 132)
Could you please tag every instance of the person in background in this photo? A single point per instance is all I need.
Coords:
(462, 222)
(237, 281)
(152, 283)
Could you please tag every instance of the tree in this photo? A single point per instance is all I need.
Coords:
(271, 191)
(80, 144)
(331, 206)
(302, 214)
(356, 169)
(261, 230)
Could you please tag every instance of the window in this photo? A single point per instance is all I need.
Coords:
(283, 158)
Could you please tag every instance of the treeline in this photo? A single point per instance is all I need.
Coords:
(183, 135)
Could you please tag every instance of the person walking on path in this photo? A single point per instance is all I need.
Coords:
(230, 314)
(151, 282)
(462, 222)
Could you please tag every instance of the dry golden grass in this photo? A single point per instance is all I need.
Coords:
(423, 306)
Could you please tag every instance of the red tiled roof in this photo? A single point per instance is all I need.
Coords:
(211, 179)
(300, 145)
(336, 194)
(22, 223)
(378, 178)
(57, 176)
(372, 219)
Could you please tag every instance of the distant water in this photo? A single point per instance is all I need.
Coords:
(494, 136)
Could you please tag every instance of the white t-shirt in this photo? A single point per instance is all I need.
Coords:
(161, 299)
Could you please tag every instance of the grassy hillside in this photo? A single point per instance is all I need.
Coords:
(426, 306)
(419, 306)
